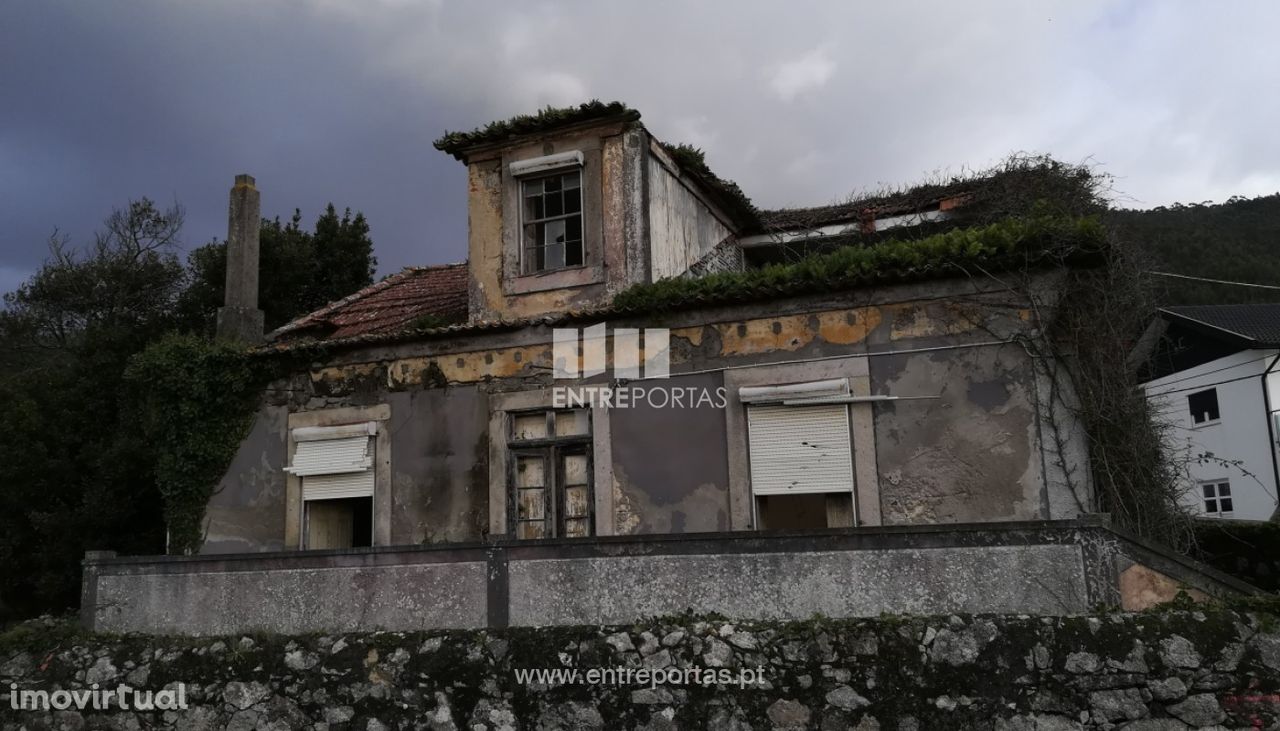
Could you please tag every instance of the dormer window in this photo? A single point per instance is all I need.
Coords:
(551, 222)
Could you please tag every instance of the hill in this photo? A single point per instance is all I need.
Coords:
(1238, 240)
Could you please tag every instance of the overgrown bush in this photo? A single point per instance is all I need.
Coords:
(196, 400)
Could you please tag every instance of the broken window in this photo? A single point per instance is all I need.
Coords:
(1203, 406)
(800, 456)
(336, 468)
(551, 474)
(552, 222)
(1217, 498)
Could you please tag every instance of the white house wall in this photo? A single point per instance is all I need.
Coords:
(681, 228)
(1240, 434)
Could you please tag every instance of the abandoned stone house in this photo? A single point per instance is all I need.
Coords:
(453, 414)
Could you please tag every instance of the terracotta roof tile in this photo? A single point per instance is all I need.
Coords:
(389, 306)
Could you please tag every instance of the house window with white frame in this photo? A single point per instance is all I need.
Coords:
(1204, 407)
(800, 455)
(550, 474)
(551, 222)
(335, 465)
(1217, 498)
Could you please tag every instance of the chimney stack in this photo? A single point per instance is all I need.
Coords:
(239, 319)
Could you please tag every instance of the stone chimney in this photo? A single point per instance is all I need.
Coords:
(239, 319)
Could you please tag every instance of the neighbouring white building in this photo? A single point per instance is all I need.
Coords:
(1216, 381)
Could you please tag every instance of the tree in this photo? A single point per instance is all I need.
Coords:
(300, 271)
(343, 256)
(76, 472)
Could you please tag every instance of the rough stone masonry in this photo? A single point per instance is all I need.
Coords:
(1173, 669)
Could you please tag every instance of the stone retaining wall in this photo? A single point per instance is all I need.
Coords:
(1050, 568)
(1207, 668)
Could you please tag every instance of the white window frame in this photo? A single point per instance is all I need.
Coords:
(358, 465)
(809, 395)
(1204, 487)
(540, 168)
(1207, 422)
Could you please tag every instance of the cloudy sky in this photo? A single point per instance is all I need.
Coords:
(339, 100)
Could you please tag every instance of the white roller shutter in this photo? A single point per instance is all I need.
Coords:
(332, 456)
(799, 449)
(329, 487)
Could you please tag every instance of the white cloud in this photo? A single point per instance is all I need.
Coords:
(807, 73)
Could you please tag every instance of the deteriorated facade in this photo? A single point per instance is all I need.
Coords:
(444, 408)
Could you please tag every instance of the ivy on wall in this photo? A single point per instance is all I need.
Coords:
(196, 400)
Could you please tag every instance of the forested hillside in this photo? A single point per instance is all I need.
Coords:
(1238, 240)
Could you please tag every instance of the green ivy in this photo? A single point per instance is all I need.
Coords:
(197, 400)
(1016, 242)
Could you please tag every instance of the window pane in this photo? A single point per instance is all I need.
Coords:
(573, 228)
(1208, 490)
(576, 503)
(529, 426)
(552, 256)
(532, 504)
(532, 188)
(555, 207)
(573, 254)
(555, 232)
(1210, 506)
(550, 184)
(531, 530)
(1224, 489)
(573, 201)
(533, 208)
(571, 423)
(577, 528)
(530, 472)
(570, 180)
(575, 469)
(1224, 505)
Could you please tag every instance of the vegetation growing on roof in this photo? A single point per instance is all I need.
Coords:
(693, 161)
(1032, 241)
(1014, 187)
(547, 118)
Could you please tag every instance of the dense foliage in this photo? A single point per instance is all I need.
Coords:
(299, 270)
(195, 401)
(92, 460)
(1014, 242)
(1238, 241)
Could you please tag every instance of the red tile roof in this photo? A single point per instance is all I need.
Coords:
(435, 294)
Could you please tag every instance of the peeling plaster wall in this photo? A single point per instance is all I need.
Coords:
(246, 512)
(669, 468)
(439, 443)
(973, 454)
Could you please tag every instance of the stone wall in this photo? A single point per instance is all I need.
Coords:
(1059, 568)
(1209, 668)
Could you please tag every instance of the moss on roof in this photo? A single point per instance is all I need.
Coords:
(692, 161)
(455, 143)
(1030, 242)
(1011, 188)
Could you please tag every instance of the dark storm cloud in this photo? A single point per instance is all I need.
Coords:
(335, 100)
